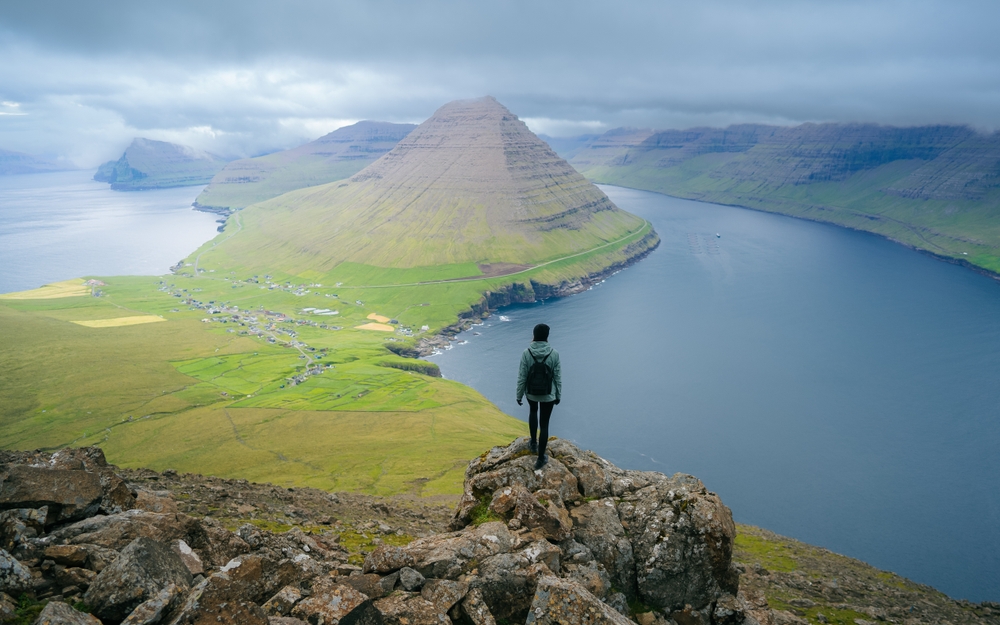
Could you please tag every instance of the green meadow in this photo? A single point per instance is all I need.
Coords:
(240, 380)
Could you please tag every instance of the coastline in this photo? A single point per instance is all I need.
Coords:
(948, 259)
(519, 293)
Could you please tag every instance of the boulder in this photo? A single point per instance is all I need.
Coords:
(370, 584)
(59, 613)
(153, 610)
(596, 525)
(117, 495)
(155, 502)
(116, 531)
(543, 509)
(682, 540)
(14, 576)
(447, 556)
(559, 601)
(188, 556)
(19, 525)
(144, 568)
(283, 601)
(475, 608)
(410, 580)
(507, 582)
(285, 620)
(405, 608)
(67, 555)
(591, 576)
(332, 603)
(386, 559)
(218, 599)
(545, 552)
(443, 593)
(68, 494)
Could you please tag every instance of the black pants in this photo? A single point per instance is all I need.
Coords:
(533, 415)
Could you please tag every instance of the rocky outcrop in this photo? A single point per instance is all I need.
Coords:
(575, 542)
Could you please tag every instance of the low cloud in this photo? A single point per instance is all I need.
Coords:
(81, 79)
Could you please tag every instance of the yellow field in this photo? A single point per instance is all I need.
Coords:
(378, 318)
(119, 321)
(66, 288)
(381, 327)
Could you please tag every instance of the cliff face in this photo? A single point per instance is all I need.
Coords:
(936, 188)
(335, 156)
(148, 164)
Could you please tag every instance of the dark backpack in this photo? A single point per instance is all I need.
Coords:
(539, 376)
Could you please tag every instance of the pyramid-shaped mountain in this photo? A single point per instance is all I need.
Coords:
(470, 184)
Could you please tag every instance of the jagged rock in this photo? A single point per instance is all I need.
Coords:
(144, 567)
(443, 593)
(69, 494)
(370, 584)
(446, 556)
(545, 552)
(59, 613)
(8, 609)
(682, 538)
(559, 601)
(386, 559)
(507, 582)
(755, 607)
(404, 608)
(410, 580)
(14, 576)
(67, 555)
(591, 576)
(593, 473)
(474, 606)
(20, 525)
(283, 601)
(209, 602)
(117, 495)
(75, 576)
(619, 602)
(285, 620)
(597, 526)
(152, 610)
(118, 530)
(691, 616)
(332, 603)
(524, 509)
(188, 557)
(155, 502)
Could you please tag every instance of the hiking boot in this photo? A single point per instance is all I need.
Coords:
(533, 446)
(541, 462)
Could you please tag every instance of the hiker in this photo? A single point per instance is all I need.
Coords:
(540, 378)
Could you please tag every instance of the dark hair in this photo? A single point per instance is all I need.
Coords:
(541, 332)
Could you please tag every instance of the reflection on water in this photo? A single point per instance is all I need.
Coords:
(828, 384)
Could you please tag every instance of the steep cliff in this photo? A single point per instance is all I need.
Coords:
(148, 164)
(936, 188)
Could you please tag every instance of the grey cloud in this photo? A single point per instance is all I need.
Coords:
(242, 77)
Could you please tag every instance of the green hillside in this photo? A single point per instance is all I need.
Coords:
(275, 353)
(338, 155)
(148, 164)
(935, 188)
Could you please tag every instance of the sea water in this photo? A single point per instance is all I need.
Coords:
(57, 226)
(830, 385)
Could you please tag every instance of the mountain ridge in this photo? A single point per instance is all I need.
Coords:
(334, 156)
(934, 188)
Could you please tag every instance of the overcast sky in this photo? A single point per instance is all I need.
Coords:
(79, 79)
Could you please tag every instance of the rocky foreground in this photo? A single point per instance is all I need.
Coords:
(580, 541)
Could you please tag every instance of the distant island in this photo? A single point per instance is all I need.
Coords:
(335, 156)
(148, 164)
(12, 163)
(934, 188)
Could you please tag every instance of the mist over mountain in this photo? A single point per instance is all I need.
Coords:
(21, 163)
(337, 155)
(148, 164)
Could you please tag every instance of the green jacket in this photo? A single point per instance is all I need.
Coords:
(540, 349)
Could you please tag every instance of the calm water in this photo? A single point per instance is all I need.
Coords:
(65, 225)
(829, 385)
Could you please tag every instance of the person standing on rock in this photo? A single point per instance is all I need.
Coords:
(540, 378)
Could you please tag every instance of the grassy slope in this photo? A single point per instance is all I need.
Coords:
(175, 394)
(959, 229)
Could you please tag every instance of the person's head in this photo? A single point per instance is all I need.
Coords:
(541, 332)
